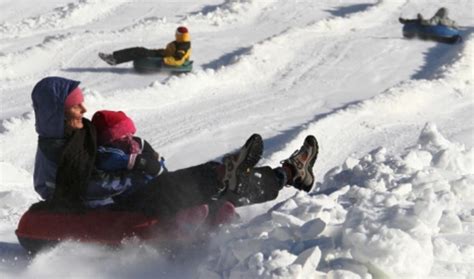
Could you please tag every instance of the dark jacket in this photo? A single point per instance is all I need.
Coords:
(440, 18)
(102, 187)
(48, 97)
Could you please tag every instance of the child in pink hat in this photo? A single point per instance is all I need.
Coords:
(116, 129)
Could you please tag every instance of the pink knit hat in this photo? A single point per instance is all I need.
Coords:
(74, 98)
(112, 126)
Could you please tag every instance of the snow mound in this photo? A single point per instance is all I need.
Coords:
(16, 194)
(379, 217)
(69, 15)
(17, 65)
(231, 11)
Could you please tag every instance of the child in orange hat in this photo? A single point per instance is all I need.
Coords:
(175, 54)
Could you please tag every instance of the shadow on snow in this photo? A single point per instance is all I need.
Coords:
(226, 59)
(13, 258)
(441, 55)
(347, 10)
(120, 71)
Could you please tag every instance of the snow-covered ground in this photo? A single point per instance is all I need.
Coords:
(394, 119)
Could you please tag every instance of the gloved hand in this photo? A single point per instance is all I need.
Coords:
(149, 164)
(148, 161)
(149, 152)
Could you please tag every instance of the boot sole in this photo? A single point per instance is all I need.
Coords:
(311, 141)
(104, 58)
(249, 156)
(252, 152)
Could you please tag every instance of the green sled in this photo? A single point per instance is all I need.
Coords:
(155, 64)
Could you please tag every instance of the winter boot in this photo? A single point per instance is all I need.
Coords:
(108, 58)
(241, 162)
(301, 163)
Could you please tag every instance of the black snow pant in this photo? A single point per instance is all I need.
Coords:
(172, 191)
(405, 21)
(133, 53)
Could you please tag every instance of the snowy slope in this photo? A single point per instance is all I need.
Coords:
(393, 118)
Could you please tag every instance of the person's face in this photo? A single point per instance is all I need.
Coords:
(74, 116)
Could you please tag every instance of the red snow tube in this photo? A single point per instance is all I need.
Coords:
(40, 228)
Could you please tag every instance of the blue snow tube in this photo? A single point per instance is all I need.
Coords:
(155, 64)
(439, 33)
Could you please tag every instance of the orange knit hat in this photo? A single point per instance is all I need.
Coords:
(182, 34)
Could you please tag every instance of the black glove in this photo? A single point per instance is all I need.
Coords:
(179, 54)
(148, 164)
(149, 152)
(148, 161)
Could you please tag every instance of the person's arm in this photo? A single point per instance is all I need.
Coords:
(181, 50)
(114, 173)
(169, 50)
(110, 159)
(103, 185)
(148, 160)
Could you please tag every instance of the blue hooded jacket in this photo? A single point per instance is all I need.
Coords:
(49, 96)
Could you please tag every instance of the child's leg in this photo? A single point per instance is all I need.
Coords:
(130, 54)
(258, 185)
(172, 191)
(201, 184)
